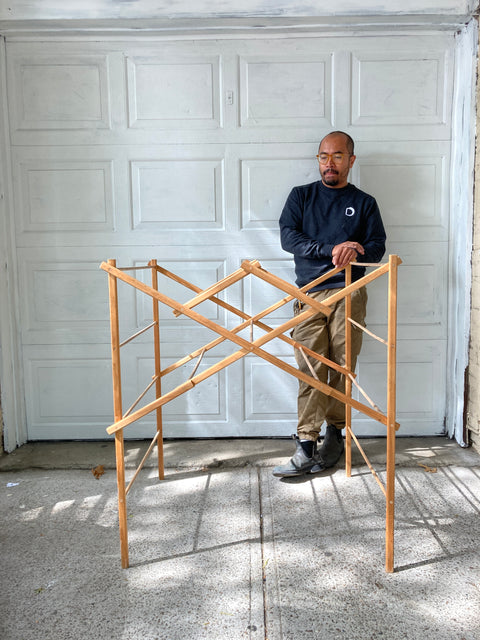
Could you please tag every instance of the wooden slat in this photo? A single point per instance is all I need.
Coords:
(283, 285)
(117, 413)
(215, 288)
(348, 382)
(158, 369)
(391, 411)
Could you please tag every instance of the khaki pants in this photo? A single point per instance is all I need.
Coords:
(326, 336)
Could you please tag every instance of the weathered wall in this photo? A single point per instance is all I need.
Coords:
(1, 430)
(155, 9)
(473, 406)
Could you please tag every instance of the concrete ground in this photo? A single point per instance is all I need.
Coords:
(223, 550)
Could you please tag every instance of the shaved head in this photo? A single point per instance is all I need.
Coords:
(348, 139)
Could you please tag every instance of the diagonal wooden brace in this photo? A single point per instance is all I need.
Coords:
(255, 268)
(215, 288)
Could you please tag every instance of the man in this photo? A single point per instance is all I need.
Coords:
(328, 224)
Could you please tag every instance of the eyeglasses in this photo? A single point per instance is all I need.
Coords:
(337, 158)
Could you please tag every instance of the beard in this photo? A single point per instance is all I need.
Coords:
(331, 179)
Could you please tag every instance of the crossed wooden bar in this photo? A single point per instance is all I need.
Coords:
(311, 307)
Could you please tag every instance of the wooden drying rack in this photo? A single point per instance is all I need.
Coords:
(253, 267)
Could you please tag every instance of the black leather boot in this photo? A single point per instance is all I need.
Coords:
(332, 447)
(300, 463)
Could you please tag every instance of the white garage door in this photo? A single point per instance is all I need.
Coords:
(185, 151)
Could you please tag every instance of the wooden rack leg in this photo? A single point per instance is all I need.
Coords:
(391, 411)
(122, 498)
(117, 410)
(158, 384)
(348, 381)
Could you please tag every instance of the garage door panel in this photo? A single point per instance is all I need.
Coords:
(420, 374)
(177, 194)
(165, 92)
(270, 398)
(422, 293)
(52, 92)
(62, 196)
(68, 391)
(411, 187)
(65, 300)
(404, 87)
(265, 100)
(399, 88)
(266, 183)
(204, 403)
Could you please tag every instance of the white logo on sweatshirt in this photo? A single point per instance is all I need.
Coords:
(349, 211)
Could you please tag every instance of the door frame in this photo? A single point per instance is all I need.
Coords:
(461, 235)
(12, 390)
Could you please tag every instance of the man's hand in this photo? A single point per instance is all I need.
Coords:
(346, 252)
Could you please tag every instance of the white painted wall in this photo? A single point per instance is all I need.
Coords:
(151, 9)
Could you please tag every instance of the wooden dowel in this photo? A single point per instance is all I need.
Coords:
(200, 358)
(147, 389)
(364, 394)
(329, 363)
(360, 326)
(139, 333)
(368, 264)
(369, 464)
(133, 268)
(308, 363)
(140, 466)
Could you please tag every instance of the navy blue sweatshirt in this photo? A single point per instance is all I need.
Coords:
(315, 218)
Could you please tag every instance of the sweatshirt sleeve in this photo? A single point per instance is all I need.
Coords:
(374, 236)
(292, 237)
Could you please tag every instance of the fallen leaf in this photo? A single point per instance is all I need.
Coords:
(98, 471)
(427, 468)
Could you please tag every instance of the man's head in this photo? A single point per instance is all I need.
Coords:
(336, 158)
